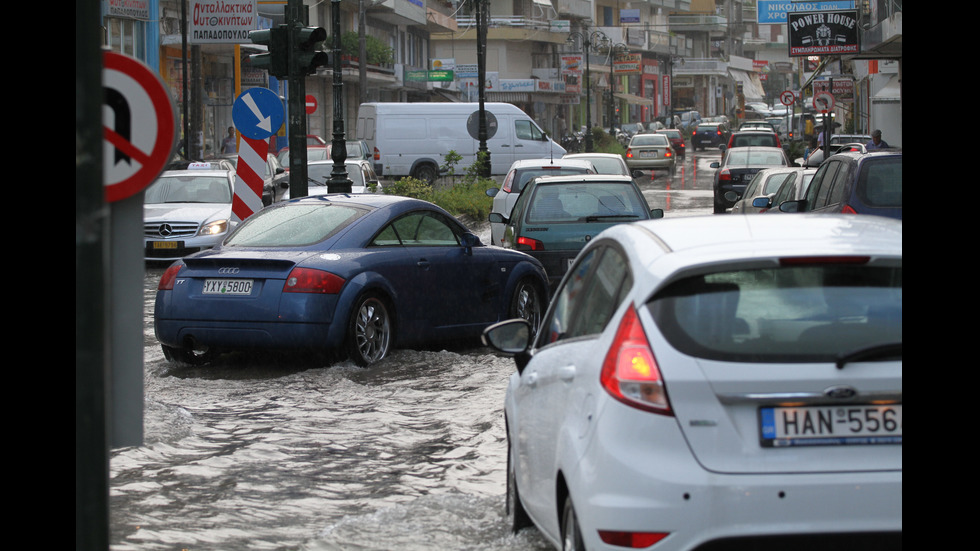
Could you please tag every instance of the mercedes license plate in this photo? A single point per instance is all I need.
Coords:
(164, 244)
(831, 425)
(227, 286)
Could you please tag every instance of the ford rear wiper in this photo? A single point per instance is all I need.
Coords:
(875, 352)
(595, 217)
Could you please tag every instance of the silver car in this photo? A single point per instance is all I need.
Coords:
(650, 152)
(714, 382)
(185, 211)
(605, 163)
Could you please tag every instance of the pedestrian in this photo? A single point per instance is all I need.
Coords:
(810, 147)
(228, 144)
(876, 141)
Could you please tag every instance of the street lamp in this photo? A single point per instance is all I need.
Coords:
(590, 42)
(614, 50)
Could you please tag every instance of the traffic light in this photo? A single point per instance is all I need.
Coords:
(276, 61)
(307, 59)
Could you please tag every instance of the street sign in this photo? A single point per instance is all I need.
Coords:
(249, 178)
(258, 113)
(823, 102)
(310, 104)
(787, 97)
(139, 126)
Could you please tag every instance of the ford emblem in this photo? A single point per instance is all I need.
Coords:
(841, 392)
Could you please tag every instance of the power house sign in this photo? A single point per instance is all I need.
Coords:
(823, 33)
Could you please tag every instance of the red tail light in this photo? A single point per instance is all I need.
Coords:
(168, 277)
(308, 280)
(848, 210)
(630, 373)
(634, 540)
(668, 153)
(531, 244)
(377, 154)
(629, 153)
(719, 132)
(724, 175)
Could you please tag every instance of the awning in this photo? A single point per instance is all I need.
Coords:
(751, 84)
(636, 100)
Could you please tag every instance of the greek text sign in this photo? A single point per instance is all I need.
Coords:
(823, 33)
(221, 21)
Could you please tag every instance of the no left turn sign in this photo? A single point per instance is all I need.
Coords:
(787, 98)
(139, 126)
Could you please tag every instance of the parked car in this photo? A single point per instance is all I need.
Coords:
(676, 141)
(816, 156)
(361, 173)
(688, 119)
(710, 134)
(605, 163)
(714, 383)
(737, 167)
(555, 216)
(650, 152)
(755, 137)
(519, 174)
(349, 273)
(186, 211)
(855, 183)
(791, 189)
(356, 150)
(837, 139)
(758, 125)
(765, 183)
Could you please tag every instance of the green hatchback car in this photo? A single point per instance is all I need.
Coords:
(555, 216)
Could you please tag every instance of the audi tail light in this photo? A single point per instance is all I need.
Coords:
(630, 372)
(168, 278)
(308, 280)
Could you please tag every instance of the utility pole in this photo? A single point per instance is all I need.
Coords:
(482, 21)
(339, 180)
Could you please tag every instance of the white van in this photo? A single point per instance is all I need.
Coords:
(412, 139)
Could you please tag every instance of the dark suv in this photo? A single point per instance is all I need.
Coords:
(758, 138)
(855, 183)
(709, 134)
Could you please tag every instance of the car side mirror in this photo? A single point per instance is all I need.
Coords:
(656, 214)
(512, 337)
(468, 241)
(715, 164)
(492, 192)
(760, 202)
(496, 218)
(792, 206)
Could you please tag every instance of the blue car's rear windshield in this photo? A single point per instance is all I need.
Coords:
(294, 225)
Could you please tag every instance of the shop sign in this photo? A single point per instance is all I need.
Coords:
(221, 21)
(627, 64)
(777, 11)
(823, 33)
(128, 9)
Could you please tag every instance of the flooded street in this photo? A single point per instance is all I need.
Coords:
(282, 453)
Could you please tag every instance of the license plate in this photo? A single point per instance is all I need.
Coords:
(164, 244)
(831, 425)
(648, 153)
(227, 286)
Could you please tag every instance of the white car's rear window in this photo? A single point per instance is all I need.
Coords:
(788, 314)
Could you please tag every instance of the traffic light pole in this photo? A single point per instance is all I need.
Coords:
(296, 102)
(339, 180)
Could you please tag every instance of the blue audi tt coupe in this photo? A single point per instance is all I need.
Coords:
(358, 274)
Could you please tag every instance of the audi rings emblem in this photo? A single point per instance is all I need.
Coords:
(166, 230)
(227, 271)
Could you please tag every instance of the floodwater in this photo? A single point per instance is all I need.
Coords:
(281, 453)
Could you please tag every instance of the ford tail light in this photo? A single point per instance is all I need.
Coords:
(630, 372)
(526, 243)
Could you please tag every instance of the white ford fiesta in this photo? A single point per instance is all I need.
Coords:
(714, 382)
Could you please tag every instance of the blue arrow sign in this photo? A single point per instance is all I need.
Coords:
(258, 113)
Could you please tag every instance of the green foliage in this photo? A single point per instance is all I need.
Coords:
(410, 187)
(452, 159)
(378, 53)
(604, 142)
